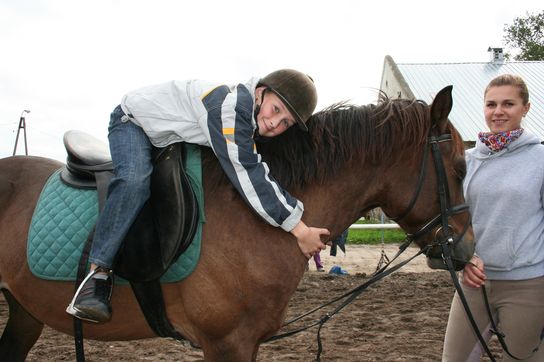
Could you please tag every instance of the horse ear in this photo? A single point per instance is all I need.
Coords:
(441, 108)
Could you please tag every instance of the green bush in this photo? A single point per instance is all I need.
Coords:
(390, 236)
(374, 236)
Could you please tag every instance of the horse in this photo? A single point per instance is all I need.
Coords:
(353, 158)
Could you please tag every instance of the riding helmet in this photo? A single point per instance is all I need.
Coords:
(296, 90)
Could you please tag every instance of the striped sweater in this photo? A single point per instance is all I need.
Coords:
(221, 117)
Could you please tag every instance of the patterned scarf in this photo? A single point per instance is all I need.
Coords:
(498, 141)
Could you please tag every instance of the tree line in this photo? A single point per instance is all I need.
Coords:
(525, 37)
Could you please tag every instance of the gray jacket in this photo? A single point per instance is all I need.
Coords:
(219, 116)
(505, 192)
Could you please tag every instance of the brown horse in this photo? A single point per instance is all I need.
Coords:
(354, 158)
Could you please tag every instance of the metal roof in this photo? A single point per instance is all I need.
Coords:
(469, 81)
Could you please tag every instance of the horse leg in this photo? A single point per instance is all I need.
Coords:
(21, 332)
(230, 350)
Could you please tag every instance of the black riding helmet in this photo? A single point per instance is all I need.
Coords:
(296, 90)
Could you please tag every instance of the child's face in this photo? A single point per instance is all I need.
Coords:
(274, 117)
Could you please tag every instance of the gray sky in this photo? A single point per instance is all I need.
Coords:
(69, 62)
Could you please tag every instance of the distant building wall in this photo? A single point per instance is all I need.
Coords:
(423, 80)
(393, 83)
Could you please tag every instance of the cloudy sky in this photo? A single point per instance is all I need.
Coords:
(69, 62)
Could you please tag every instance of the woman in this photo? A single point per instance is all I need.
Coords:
(504, 188)
(229, 119)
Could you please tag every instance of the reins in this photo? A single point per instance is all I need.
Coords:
(499, 334)
(444, 238)
(447, 259)
(447, 255)
(447, 235)
(358, 290)
(349, 297)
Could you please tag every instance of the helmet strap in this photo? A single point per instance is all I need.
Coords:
(258, 106)
(257, 110)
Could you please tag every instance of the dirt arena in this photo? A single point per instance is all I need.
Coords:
(401, 318)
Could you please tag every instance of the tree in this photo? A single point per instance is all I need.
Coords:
(526, 34)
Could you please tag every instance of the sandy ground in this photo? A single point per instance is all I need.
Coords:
(401, 318)
(365, 259)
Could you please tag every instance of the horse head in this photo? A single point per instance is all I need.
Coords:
(400, 155)
(436, 217)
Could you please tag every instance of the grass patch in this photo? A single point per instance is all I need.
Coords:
(375, 236)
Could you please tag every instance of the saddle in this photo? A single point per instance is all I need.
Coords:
(162, 231)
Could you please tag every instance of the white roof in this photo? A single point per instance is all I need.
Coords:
(469, 81)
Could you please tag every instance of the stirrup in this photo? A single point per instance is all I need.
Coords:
(76, 312)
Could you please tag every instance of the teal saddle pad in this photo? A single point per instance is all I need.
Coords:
(64, 217)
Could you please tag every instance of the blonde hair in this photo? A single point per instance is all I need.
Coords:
(512, 80)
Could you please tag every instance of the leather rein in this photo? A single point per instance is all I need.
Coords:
(444, 238)
(448, 259)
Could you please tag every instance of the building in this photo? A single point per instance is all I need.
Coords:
(423, 81)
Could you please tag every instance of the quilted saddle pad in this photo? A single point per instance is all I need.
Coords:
(64, 217)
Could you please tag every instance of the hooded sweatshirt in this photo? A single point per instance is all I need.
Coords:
(505, 192)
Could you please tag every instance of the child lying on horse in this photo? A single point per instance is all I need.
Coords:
(229, 119)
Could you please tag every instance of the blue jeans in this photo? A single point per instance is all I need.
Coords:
(128, 191)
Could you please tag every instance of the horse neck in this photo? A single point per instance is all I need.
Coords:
(340, 201)
(360, 186)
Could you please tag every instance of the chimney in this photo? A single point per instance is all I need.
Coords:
(496, 55)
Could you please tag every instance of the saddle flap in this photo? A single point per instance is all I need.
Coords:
(165, 226)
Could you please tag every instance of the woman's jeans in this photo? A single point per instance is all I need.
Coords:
(128, 190)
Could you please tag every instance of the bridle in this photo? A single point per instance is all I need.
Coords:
(444, 238)
(444, 234)
(445, 241)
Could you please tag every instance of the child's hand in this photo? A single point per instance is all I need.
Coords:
(309, 239)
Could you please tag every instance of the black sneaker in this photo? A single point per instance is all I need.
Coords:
(92, 299)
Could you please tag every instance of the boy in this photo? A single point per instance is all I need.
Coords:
(226, 118)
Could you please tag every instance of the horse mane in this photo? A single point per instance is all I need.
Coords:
(375, 133)
(371, 133)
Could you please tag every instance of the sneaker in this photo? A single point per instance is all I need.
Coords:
(320, 269)
(92, 299)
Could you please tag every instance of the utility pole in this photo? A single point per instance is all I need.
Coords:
(22, 124)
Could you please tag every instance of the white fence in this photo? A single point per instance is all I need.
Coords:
(374, 226)
(375, 214)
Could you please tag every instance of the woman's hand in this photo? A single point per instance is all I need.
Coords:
(309, 239)
(473, 274)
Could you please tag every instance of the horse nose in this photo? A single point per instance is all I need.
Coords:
(463, 252)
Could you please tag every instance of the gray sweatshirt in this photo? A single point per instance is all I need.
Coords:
(505, 192)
